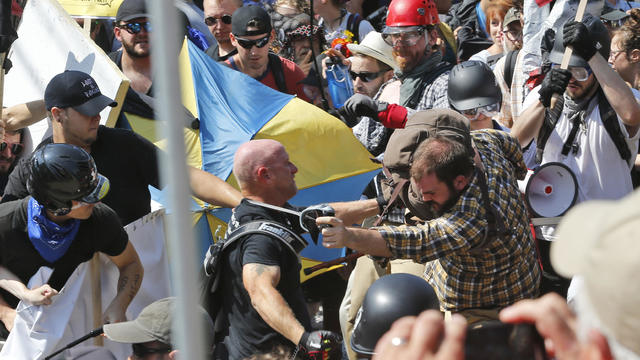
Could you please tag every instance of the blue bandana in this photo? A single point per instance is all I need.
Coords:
(50, 239)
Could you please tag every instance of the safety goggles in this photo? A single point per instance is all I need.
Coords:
(136, 27)
(365, 76)
(16, 149)
(248, 44)
(398, 36)
(488, 111)
(211, 21)
(614, 24)
(579, 73)
(142, 351)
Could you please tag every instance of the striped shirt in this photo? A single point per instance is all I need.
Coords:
(465, 270)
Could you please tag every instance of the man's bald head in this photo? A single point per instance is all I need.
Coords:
(264, 171)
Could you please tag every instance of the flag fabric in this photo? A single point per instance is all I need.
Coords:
(233, 108)
(91, 8)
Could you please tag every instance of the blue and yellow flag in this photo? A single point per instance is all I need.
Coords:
(233, 108)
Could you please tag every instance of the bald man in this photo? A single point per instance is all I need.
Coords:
(263, 300)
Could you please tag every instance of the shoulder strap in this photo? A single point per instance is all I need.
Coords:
(353, 25)
(611, 124)
(551, 117)
(509, 65)
(269, 228)
(278, 74)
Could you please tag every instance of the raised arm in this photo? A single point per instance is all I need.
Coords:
(22, 115)
(261, 281)
(212, 189)
(131, 273)
(40, 295)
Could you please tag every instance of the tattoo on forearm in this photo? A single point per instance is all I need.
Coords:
(122, 283)
(134, 286)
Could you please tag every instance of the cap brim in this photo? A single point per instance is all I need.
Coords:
(365, 50)
(101, 190)
(127, 332)
(614, 15)
(134, 16)
(577, 233)
(94, 106)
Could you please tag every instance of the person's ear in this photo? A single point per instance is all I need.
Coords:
(173, 354)
(56, 113)
(387, 75)
(634, 56)
(117, 33)
(234, 42)
(460, 182)
(433, 37)
(263, 173)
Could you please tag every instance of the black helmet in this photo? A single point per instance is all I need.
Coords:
(472, 85)
(60, 173)
(600, 38)
(388, 299)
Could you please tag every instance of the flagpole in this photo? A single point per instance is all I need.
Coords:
(165, 41)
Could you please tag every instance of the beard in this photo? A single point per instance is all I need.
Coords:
(132, 52)
(453, 199)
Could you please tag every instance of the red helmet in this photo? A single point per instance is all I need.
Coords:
(412, 13)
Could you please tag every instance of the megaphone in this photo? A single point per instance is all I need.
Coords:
(552, 189)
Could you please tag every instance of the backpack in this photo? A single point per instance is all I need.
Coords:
(211, 290)
(609, 120)
(397, 188)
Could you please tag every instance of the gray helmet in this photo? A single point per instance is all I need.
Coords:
(472, 84)
(388, 299)
(60, 173)
(600, 38)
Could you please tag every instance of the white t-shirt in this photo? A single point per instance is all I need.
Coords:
(600, 171)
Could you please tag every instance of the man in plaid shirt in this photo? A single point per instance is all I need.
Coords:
(480, 256)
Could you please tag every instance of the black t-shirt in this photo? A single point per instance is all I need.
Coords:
(127, 159)
(101, 232)
(248, 333)
(214, 53)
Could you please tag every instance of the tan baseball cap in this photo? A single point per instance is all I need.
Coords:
(599, 240)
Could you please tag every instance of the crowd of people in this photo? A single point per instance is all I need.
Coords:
(447, 96)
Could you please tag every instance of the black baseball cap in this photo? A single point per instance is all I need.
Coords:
(77, 90)
(245, 14)
(131, 9)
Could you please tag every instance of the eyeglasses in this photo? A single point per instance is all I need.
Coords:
(409, 38)
(365, 76)
(16, 149)
(614, 54)
(513, 35)
(248, 44)
(141, 351)
(488, 111)
(136, 27)
(211, 21)
(579, 73)
(614, 24)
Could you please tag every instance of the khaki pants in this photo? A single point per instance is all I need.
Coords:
(475, 316)
(363, 275)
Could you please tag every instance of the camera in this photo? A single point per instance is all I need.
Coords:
(501, 341)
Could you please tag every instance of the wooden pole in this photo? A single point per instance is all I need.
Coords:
(96, 296)
(568, 51)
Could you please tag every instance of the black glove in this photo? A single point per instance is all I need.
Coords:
(577, 35)
(555, 82)
(360, 105)
(321, 345)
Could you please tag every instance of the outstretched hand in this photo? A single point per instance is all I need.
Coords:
(336, 234)
(42, 295)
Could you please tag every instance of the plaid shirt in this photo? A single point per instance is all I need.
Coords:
(435, 94)
(464, 272)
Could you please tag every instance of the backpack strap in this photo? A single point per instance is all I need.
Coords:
(353, 25)
(611, 124)
(275, 64)
(509, 66)
(551, 116)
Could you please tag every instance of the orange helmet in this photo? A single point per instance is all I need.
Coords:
(412, 13)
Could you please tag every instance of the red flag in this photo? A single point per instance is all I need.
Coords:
(542, 3)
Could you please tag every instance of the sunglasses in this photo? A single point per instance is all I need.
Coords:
(579, 73)
(404, 38)
(136, 27)
(211, 21)
(16, 149)
(141, 351)
(488, 111)
(365, 76)
(248, 44)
